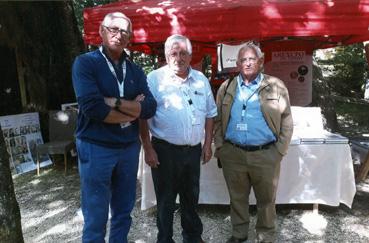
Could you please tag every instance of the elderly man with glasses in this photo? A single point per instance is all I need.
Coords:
(183, 119)
(112, 94)
(252, 132)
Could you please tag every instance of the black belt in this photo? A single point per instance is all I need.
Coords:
(251, 148)
(161, 141)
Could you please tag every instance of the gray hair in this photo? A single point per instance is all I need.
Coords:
(111, 16)
(250, 45)
(173, 39)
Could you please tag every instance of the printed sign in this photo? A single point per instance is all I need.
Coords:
(295, 69)
(227, 55)
(22, 134)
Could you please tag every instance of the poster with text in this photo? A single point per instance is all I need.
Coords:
(295, 69)
(22, 134)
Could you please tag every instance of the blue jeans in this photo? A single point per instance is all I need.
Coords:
(178, 173)
(108, 177)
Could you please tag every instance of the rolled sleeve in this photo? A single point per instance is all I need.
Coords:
(211, 107)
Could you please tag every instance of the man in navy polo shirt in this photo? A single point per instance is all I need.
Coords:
(112, 94)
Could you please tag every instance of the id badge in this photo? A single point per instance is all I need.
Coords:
(241, 127)
(125, 124)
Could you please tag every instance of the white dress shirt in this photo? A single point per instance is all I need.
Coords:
(182, 106)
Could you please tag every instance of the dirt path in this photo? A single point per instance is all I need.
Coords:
(50, 213)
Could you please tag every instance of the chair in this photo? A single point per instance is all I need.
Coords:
(61, 135)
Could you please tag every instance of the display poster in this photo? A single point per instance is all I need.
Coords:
(22, 134)
(295, 69)
(227, 55)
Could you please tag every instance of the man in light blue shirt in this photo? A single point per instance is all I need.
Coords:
(184, 117)
(248, 127)
(252, 132)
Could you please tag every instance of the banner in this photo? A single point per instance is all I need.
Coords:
(295, 69)
(22, 135)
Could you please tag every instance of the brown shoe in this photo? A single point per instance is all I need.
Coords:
(236, 240)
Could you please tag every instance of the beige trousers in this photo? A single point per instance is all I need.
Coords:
(259, 170)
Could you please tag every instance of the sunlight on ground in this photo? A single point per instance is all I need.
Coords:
(53, 213)
(359, 229)
(58, 188)
(35, 181)
(62, 228)
(57, 229)
(314, 223)
(55, 204)
(363, 187)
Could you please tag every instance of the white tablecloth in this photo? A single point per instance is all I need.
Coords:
(310, 173)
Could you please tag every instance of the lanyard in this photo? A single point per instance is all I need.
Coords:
(112, 70)
(244, 98)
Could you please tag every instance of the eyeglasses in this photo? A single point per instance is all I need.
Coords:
(251, 60)
(180, 54)
(114, 31)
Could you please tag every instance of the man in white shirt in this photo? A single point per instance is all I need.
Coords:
(184, 117)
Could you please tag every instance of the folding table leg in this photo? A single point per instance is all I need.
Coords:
(38, 163)
(315, 208)
(65, 162)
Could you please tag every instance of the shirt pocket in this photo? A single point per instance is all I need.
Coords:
(200, 102)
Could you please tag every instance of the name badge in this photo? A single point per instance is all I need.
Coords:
(125, 124)
(241, 127)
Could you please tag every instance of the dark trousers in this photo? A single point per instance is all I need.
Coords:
(108, 177)
(178, 173)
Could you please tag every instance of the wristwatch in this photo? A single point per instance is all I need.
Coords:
(117, 103)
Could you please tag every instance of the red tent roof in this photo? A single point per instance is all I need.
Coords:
(323, 23)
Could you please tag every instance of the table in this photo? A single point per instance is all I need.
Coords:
(310, 174)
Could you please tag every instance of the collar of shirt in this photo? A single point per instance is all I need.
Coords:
(256, 81)
(177, 79)
(121, 59)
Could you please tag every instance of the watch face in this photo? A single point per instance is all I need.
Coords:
(117, 103)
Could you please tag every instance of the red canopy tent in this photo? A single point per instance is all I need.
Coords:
(312, 24)
(326, 22)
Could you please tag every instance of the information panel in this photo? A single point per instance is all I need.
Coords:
(22, 134)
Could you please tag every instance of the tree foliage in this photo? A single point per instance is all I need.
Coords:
(79, 5)
(347, 70)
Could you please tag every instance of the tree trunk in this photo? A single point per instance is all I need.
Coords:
(46, 39)
(10, 219)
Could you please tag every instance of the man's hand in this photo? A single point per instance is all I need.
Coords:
(110, 101)
(206, 153)
(140, 97)
(151, 158)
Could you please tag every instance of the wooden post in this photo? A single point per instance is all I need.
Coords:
(22, 84)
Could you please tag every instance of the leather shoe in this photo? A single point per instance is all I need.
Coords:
(236, 240)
